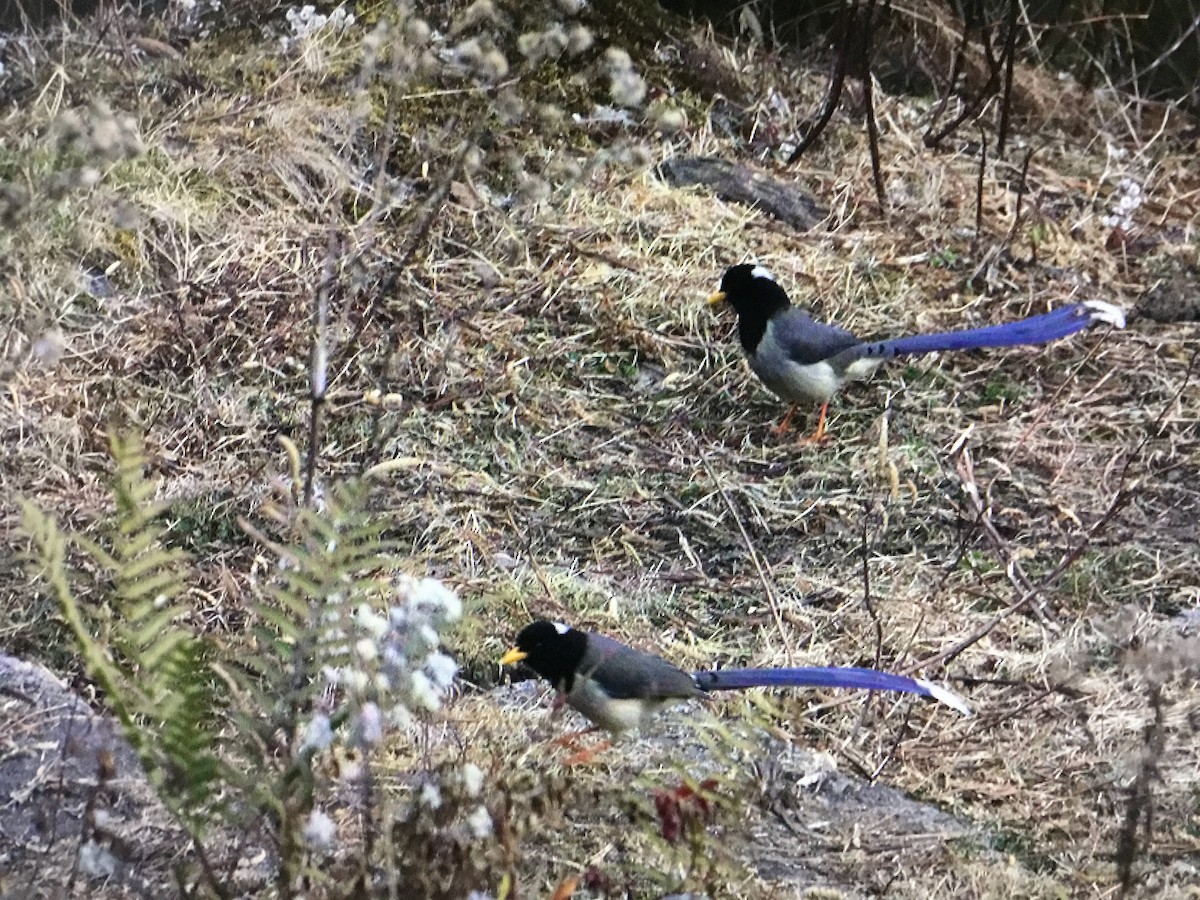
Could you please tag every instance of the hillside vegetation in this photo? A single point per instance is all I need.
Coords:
(460, 206)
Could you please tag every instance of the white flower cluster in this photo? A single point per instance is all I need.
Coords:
(1128, 198)
(555, 41)
(459, 785)
(626, 87)
(306, 21)
(187, 14)
(320, 831)
(394, 666)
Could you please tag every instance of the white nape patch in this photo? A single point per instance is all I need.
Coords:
(761, 272)
(561, 628)
(1105, 312)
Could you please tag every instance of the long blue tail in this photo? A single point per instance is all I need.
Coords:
(826, 676)
(1035, 330)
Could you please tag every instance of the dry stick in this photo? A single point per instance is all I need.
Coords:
(762, 575)
(533, 563)
(1052, 402)
(868, 603)
(1010, 52)
(837, 79)
(869, 97)
(319, 362)
(895, 745)
(1118, 503)
(1012, 232)
(983, 516)
(972, 108)
(416, 235)
(1140, 808)
(956, 62)
(318, 370)
(1184, 34)
(979, 184)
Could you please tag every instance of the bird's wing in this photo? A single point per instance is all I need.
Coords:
(805, 340)
(628, 674)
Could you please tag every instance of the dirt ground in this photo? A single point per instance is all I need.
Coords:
(517, 326)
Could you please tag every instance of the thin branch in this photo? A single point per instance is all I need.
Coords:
(837, 80)
(1022, 181)
(869, 99)
(1119, 501)
(1010, 53)
(758, 566)
(1140, 808)
(983, 516)
(868, 602)
(983, 148)
(318, 371)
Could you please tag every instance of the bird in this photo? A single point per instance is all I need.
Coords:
(802, 360)
(620, 689)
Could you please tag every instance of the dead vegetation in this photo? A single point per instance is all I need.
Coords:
(516, 327)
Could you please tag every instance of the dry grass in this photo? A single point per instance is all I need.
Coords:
(578, 437)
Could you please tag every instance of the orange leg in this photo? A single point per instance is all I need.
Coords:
(570, 741)
(819, 435)
(585, 756)
(787, 420)
(571, 738)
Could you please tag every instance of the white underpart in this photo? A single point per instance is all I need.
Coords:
(761, 272)
(1106, 312)
(862, 368)
(951, 699)
(561, 628)
(794, 383)
(612, 715)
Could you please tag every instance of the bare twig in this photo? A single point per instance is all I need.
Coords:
(1010, 53)
(943, 656)
(983, 516)
(318, 371)
(868, 602)
(1021, 186)
(811, 130)
(1120, 499)
(979, 184)
(1139, 809)
(869, 99)
(758, 566)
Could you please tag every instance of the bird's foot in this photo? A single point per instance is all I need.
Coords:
(584, 757)
(786, 422)
(818, 436)
(570, 740)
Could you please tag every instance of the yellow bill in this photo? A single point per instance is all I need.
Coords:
(513, 656)
(715, 298)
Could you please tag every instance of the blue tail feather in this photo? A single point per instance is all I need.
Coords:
(825, 676)
(1035, 330)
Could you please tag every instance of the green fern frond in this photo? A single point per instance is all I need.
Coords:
(154, 673)
(50, 552)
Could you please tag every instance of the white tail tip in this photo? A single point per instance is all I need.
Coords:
(941, 694)
(1105, 312)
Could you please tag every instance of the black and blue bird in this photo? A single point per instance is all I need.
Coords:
(619, 688)
(802, 360)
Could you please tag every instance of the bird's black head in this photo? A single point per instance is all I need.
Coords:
(553, 651)
(755, 296)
